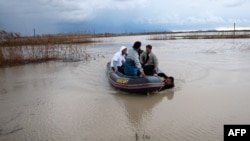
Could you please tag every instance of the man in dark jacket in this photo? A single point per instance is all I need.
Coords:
(149, 61)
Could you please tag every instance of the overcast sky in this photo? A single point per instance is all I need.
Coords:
(63, 16)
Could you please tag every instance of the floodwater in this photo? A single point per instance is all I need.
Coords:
(63, 101)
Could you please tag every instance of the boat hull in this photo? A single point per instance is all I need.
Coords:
(134, 84)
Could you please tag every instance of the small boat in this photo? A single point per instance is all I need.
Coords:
(134, 84)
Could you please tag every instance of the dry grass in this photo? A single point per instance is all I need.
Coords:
(30, 54)
(16, 50)
(46, 40)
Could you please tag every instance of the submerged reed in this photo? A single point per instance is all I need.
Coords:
(29, 54)
(15, 50)
(201, 35)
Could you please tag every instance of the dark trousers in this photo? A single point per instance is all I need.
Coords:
(120, 69)
(149, 69)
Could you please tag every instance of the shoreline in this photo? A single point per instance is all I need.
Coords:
(17, 50)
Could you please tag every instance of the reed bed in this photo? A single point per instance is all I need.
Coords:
(30, 54)
(231, 34)
(10, 40)
(16, 50)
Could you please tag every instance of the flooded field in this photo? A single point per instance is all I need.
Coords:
(62, 101)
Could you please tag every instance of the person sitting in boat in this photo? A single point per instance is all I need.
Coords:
(168, 80)
(149, 61)
(117, 61)
(140, 51)
(132, 65)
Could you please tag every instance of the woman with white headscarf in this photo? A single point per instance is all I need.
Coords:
(118, 60)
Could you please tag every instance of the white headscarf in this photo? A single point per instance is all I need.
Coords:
(122, 48)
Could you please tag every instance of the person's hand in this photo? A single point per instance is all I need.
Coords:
(155, 70)
(116, 70)
(155, 92)
(142, 74)
(155, 74)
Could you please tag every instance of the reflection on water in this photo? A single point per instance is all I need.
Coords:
(139, 108)
(74, 101)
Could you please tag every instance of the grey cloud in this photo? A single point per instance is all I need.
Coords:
(45, 14)
(234, 3)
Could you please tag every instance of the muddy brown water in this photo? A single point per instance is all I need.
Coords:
(62, 101)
